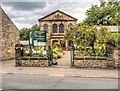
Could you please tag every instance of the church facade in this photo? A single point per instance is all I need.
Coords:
(56, 24)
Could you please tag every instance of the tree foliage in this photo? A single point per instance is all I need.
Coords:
(35, 27)
(107, 13)
(90, 40)
(87, 35)
(24, 32)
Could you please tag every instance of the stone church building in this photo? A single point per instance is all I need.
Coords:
(9, 36)
(56, 25)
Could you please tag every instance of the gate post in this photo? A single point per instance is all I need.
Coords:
(49, 55)
(72, 55)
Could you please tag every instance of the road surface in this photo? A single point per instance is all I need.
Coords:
(12, 81)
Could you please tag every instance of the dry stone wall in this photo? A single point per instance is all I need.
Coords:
(0, 34)
(32, 62)
(111, 61)
(9, 36)
(90, 62)
(117, 57)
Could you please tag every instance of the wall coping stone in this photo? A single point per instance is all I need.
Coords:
(90, 57)
(34, 58)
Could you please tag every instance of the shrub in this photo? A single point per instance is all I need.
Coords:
(57, 51)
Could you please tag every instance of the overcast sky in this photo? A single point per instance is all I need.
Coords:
(25, 14)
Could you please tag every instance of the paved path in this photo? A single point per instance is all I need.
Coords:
(65, 60)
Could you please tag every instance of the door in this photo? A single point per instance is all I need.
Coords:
(54, 41)
(63, 44)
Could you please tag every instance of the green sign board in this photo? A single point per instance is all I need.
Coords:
(38, 38)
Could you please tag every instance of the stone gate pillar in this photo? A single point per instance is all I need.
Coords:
(110, 54)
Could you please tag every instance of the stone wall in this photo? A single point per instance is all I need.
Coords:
(113, 56)
(111, 61)
(0, 34)
(90, 62)
(10, 36)
(117, 56)
(32, 62)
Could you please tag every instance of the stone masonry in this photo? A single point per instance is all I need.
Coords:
(32, 62)
(9, 36)
(90, 62)
(55, 20)
(0, 34)
(117, 57)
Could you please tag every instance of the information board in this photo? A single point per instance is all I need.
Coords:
(38, 38)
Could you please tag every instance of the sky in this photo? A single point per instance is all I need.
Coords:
(25, 14)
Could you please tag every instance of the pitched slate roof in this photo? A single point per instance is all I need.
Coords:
(55, 12)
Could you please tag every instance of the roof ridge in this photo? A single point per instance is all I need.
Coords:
(55, 12)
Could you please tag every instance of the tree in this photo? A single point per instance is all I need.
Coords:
(89, 38)
(107, 13)
(87, 35)
(35, 27)
(24, 32)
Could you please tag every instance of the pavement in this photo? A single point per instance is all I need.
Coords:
(8, 67)
(62, 69)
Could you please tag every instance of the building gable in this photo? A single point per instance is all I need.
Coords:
(58, 15)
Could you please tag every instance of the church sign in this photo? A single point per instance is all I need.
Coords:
(38, 38)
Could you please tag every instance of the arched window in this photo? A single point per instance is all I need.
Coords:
(61, 28)
(45, 27)
(55, 28)
(70, 26)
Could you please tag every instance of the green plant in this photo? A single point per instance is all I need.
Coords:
(57, 51)
(90, 40)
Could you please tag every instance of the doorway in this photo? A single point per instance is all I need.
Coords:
(54, 41)
(63, 44)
